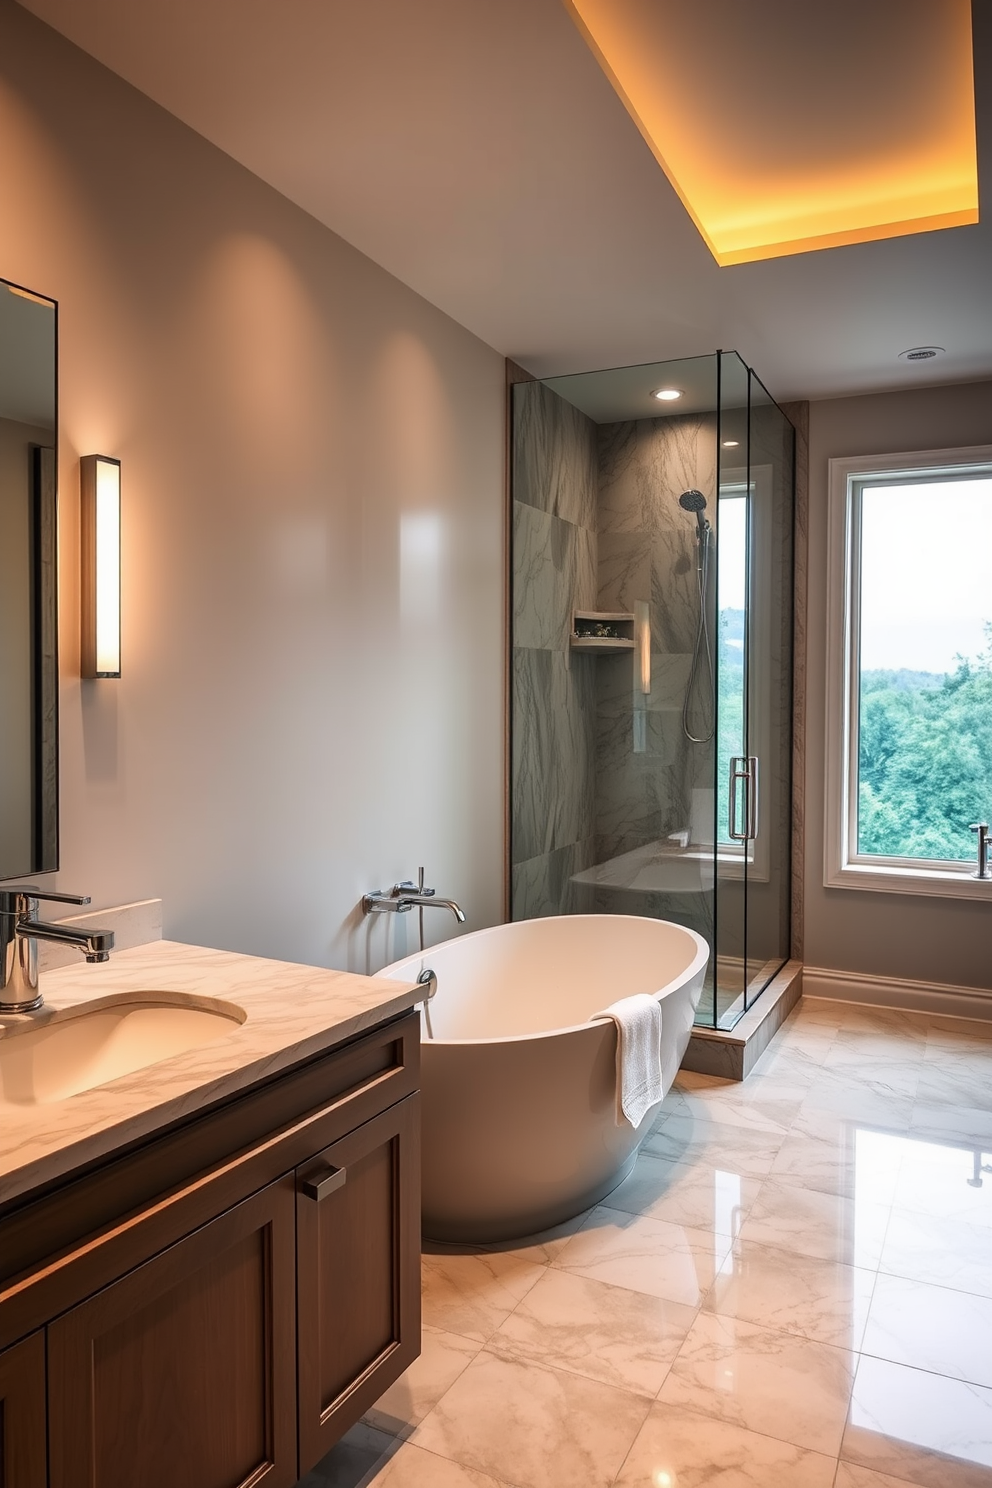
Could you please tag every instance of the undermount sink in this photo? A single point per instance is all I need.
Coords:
(78, 1049)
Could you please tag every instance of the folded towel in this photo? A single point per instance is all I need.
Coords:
(638, 1021)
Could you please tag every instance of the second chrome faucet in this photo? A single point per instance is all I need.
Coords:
(408, 895)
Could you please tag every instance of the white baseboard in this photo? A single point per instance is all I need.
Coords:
(893, 992)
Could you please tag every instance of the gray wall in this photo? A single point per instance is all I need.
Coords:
(898, 935)
(313, 588)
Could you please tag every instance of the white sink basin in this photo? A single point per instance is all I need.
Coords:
(80, 1048)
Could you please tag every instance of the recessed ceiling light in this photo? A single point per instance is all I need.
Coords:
(731, 443)
(921, 353)
(666, 395)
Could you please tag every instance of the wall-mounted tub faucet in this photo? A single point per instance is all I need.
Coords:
(406, 896)
(20, 931)
(982, 828)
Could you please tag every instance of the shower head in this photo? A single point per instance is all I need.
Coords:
(695, 501)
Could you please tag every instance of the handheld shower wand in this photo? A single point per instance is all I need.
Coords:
(695, 501)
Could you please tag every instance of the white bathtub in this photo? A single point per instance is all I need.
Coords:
(519, 1131)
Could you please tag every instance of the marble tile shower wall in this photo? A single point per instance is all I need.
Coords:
(555, 560)
(597, 525)
(647, 553)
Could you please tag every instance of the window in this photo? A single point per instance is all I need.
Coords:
(909, 709)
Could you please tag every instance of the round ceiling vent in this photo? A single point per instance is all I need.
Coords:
(921, 353)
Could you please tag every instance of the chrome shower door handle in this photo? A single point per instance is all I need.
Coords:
(743, 767)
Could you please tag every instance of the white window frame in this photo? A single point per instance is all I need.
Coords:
(843, 868)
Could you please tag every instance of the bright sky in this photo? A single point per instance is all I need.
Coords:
(926, 574)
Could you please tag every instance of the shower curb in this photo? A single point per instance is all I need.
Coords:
(732, 1053)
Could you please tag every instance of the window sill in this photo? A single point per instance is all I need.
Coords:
(883, 878)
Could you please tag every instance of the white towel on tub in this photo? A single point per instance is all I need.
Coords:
(638, 1021)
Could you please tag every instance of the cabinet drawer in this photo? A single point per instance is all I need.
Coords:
(183, 1371)
(358, 1279)
(23, 1452)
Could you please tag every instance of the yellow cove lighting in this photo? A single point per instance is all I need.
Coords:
(100, 552)
(786, 127)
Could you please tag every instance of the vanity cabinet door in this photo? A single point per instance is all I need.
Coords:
(22, 1415)
(182, 1372)
(358, 1277)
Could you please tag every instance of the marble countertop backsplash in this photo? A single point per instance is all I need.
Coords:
(293, 1013)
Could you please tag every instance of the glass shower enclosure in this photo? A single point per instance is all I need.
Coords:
(651, 619)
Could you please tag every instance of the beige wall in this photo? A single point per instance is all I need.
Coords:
(312, 463)
(897, 935)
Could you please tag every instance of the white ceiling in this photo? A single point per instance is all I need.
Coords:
(475, 149)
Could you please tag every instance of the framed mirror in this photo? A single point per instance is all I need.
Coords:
(28, 584)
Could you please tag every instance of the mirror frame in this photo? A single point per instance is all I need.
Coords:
(43, 496)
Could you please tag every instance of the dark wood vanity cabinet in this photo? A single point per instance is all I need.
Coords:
(358, 1236)
(228, 1333)
(22, 1415)
(182, 1371)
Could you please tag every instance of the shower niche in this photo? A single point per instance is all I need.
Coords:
(650, 710)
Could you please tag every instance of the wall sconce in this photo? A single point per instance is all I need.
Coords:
(100, 552)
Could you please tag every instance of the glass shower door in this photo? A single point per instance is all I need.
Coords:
(732, 633)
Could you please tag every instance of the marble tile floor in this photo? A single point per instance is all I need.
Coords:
(793, 1289)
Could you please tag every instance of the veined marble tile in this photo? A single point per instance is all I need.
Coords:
(411, 1466)
(555, 571)
(471, 1294)
(939, 1178)
(553, 785)
(930, 1430)
(769, 1382)
(959, 1124)
(555, 459)
(702, 1196)
(805, 1161)
(867, 1097)
(417, 1391)
(677, 1448)
(649, 1256)
(736, 1149)
(960, 1082)
(822, 1225)
(533, 1426)
(952, 1033)
(932, 1328)
(825, 1301)
(851, 1476)
(602, 1332)
(942, 1251)
(886, 1020)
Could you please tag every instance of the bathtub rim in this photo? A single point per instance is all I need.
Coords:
(696, 967)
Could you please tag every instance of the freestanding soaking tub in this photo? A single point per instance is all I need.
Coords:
(519, 1086)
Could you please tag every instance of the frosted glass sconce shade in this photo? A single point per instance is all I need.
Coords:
(100, 550)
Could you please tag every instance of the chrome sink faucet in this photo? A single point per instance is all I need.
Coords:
(982, 828)
(20, 931)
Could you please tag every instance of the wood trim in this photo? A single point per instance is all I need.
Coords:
(151, 1198)
(73, 1343)
(23, 1428)
(322, 1423)
(514, 374)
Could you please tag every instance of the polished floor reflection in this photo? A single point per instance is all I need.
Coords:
(793, 1289)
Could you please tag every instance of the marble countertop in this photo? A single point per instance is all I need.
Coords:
(293, 1012)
